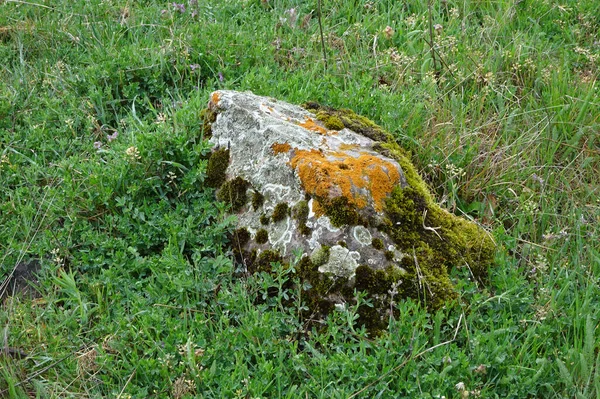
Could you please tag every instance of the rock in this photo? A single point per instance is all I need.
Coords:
(335, 187)
(21, 280)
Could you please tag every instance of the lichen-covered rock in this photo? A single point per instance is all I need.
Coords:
(336, 187)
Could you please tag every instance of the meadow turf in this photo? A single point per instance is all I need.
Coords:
(102, 168)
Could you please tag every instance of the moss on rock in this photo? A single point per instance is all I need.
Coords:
(320, 256)
(264, 219)
(300, 213)
(257, 200)
(280, 212)
(264, 260)
(233, 192)
(377, 243)
(435, 239)
(331, 121)
(262, 236)
(216, 167)
(342, 212)
(208, 117)
(348, 119)
(428, 240)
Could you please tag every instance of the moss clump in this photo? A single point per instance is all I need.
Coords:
(300, 213)
(208, 117)
(372, 281)
(331, 121)
(389, 255)
(341, 212)
(350, 120)
(280, 212)
(377, 243)
(342, 244)
(320, 256)
(264, 219)
(257, 200)
(262, 236)
(216, 167)
(240, 237)
(233, 192)
(262, 262)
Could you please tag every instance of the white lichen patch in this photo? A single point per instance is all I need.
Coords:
(362, 235)
(342, 262)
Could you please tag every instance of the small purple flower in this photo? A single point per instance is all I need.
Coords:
(97, 145)
(193, 67)
(179, 7)
(221, 78)
(163, 12)
(113, 136)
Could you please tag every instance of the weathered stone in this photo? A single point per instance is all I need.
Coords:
(340, 197)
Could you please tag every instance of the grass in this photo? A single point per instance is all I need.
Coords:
(103, 163)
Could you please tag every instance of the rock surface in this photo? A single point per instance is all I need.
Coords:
(349, 200)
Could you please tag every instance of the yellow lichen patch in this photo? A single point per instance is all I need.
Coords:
(279, 148)
(311, 125)
(334, 174)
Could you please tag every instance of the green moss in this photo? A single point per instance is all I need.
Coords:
(331, 121)
(342, 244)
(389, 255)
(341, 212)
(262, 236)
(233, 192)
(320, 256)
(348, 119)
(208, 117)
(280, 212)
(262, 262)
(217, 167)
(372, 281)
(300, 213)
(257, 200)
(377, 243)
(240, 237)
(264, 219)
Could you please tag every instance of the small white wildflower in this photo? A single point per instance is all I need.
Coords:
(56, 256)
(529, 207)
(160, 118)
(454, 171)
(133, 153)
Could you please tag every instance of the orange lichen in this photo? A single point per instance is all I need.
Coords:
(333, 174)
(215, 98)
(311, 125)
(279, 148)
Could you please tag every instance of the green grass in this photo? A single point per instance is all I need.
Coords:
(102, 172)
